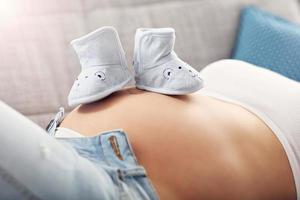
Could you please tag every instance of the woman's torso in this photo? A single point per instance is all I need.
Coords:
(194, 146)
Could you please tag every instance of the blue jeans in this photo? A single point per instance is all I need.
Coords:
(111, 153)
(34, 165)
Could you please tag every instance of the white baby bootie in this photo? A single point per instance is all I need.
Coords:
(103, 66)
(157, 66)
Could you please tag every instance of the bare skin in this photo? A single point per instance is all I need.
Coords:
(194, 147)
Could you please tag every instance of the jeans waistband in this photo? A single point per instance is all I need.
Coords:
(111, 151)
(111, 147)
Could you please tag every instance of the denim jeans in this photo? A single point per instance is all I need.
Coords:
(34, 165)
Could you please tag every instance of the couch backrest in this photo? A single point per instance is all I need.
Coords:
(38, 65)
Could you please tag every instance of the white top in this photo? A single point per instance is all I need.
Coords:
(62, 132)
(272, 97)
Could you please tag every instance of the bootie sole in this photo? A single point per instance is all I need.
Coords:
(98, 96)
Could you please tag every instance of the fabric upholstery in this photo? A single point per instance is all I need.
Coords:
(269, 41)
(38, 65)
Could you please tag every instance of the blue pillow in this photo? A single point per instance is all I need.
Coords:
(268, 41)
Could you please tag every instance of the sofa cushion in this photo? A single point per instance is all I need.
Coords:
(269, 41)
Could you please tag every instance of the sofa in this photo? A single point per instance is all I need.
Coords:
(38, 65)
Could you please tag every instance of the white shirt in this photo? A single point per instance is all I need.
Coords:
(272, 97)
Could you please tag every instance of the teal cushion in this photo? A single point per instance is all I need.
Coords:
(268, 41)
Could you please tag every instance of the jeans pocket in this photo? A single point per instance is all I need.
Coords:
(134, 184)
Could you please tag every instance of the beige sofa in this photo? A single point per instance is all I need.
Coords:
(38, 65)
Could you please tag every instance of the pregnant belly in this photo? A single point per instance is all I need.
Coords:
(194, 147)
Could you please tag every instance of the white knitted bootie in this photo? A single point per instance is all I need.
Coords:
(103, 66)
(157, 66)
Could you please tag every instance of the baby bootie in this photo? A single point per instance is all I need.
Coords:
(103, 66)
(158, 68)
